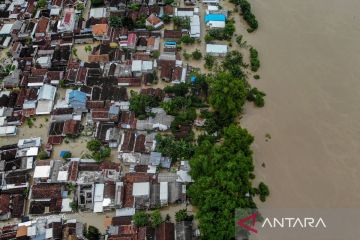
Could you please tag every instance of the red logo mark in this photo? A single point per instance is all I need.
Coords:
(252, 218)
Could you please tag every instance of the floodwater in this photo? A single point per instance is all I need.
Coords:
(310, 58)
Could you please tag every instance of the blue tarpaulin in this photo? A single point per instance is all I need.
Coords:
(63, 153)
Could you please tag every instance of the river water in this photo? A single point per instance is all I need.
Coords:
(310, 71)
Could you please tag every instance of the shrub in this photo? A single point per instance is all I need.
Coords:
(254, 59)
(43, 155)
(93, 145)
(209, 61)
(197, 55)
(187, 39)
(141, 219)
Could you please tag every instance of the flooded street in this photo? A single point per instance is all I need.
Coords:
(310, 59)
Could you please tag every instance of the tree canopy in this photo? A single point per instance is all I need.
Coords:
(222, 182)
(227, 95)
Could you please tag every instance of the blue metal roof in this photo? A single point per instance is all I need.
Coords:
(77, 96)
(215, 17)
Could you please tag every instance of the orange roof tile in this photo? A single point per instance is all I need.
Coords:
(100, 29)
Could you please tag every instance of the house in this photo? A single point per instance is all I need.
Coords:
(97, 13)
(215, 20)
(154, 21)
(100, 31)
(77, 100)
(41, 27)
(45, 99)
(165, 231)
(184, 12)
(183, 230)
(216, 49)
(172, 35)
(45, 198)
(67, 23)
(195, 27)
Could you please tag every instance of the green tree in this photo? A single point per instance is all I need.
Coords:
(174, 149)
(209, 61)
(187, 39)
(233, 63)
(155, 218)
(208, 38)
(221, 182)
(115, 21)
(155, 54)
(197, 55)
(141, 219)
(41, 4)
(180, 90)
(254, 59)
(43, 155)
(263, 191)
(93, 145)
(141, 104)
(166, 19)
(257, 97)
(227, 95)
(88, 48)
(182, 215)
(229, 29)
(92, 233)
(80, 6)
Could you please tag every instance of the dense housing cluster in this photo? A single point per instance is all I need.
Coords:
(107, 81)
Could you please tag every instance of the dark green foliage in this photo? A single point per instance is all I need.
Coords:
(115, 22)
(166, 19)
(182, 215)
(229, 29)
(93, 145)
(155, 218)
(97, 3)
(128, 22)
(227, 96)
(141, 104)
(184, 118)
(197, 55)
(177, 104)
(233, 63)
(263, 191)
(140, 23)
(134, 6)
(92, 233)
(209, 38)
(254, 59)
(221, 174)
(169, 2)
(209, 61)
(141, 219)
(257, 97)
(248, 16)
(104, 152)
(43, 155)
(41, 4)
(187, 39)
(213, 123)
(182, 22)
(257, 77)
(67, 155)
(174, 149)
(221, 33)
(179, 90)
